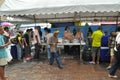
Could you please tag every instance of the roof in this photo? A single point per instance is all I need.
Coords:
(60, 8)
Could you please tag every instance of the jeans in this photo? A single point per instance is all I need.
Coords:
(37, 51)
(115, 64)
(56, 56)
(19, 51)
(48, 52)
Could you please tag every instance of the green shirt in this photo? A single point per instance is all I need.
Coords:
(3, 52)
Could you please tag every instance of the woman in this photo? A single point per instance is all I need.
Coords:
(3, 54)
(79, 35)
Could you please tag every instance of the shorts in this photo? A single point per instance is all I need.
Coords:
(27, 49)
(3, 61)
(111, 51)
(95, 51)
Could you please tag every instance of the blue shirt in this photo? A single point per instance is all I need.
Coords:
(3, 52)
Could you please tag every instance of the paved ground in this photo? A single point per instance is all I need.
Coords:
(40, 70)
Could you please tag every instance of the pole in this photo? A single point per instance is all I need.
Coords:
(34, 20)
(117, 23)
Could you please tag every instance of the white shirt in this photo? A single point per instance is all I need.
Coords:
(117, 40)
(36, 34)
(48, 36)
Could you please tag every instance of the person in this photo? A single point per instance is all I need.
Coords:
(37, 42)
(67, 36)
(44, 39)
(116, 62)
(89, 34)
(53, 49)
(49, 34)
(27, 49)
(3, 54)
(79, 35)
(96, 44)
(44, 34)
(6, 34)
(74, 31)
(19, 45)
(111, 44)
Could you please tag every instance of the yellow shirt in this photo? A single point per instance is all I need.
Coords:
(96, 38)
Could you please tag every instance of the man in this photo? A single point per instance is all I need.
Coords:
(116, 62)
(37, 42)
(53, 49)
(111, 44)
(27, 49)
(96, 43)
(3, 54)
(49, 34)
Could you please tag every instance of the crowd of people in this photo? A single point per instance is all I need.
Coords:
(24, 42)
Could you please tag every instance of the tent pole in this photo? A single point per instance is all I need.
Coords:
(34, 20)
(117, 23)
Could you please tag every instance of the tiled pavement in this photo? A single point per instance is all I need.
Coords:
(37, 70)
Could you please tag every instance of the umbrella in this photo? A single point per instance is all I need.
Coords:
(5, 24)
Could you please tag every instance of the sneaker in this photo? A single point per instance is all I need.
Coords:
(113, 76)
(91, 62)
(108, 67)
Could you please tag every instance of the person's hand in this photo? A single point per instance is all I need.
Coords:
(38, 43)
(55, 44)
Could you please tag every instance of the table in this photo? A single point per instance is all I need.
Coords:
(61, 45)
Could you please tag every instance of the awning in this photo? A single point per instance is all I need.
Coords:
(60, 9)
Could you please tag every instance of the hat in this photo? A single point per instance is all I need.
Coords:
(56, 31)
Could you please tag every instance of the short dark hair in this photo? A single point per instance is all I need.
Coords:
(45, 28)
(100, 28)
(66, 28)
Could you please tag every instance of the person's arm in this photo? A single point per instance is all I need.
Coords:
(109, 41)
(118, 39)
(24, 39)
(82, 37)
(5, 45)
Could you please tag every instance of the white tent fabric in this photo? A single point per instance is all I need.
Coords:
(28, 4)
(60, 10)
(31, 7)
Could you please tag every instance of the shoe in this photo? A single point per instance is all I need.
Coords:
(113, 76)
(60, 67)
(91, 62)
(108, 67)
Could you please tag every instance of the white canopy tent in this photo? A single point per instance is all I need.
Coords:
(62, 10)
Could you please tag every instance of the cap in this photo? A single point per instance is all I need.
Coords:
(56, 31)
